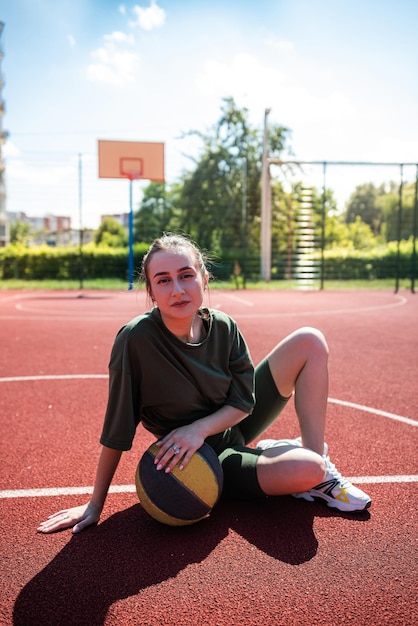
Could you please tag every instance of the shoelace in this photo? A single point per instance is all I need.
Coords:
(331, 469)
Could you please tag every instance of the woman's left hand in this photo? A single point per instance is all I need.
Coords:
(178, 447)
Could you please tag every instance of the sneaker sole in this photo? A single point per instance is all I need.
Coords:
(332, 503)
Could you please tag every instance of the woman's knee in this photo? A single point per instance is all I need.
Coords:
(292, 471)
(293, 353)
(312, 340)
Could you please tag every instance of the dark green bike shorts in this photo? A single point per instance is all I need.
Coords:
(239, 461)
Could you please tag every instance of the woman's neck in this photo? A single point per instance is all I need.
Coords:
(187, 330)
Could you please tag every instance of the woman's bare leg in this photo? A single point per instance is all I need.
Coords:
(286, 470)
(299, 365)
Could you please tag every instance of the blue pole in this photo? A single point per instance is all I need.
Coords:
(131, 240)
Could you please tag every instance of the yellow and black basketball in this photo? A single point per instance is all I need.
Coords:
(180, 497)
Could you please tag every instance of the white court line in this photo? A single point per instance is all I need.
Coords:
(238, 299)
(93, 316)
(75, 491)
(59, 491)
(22, 379)
(364, 309)
(352, 405)
(406, 478)
(368, 409)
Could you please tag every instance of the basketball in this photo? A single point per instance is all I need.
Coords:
(181, 497)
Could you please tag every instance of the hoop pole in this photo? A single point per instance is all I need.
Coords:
(131, 240)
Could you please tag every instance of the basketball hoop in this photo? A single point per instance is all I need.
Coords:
(131, 168)
(131, 160)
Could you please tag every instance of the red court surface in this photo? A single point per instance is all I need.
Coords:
(277, 561)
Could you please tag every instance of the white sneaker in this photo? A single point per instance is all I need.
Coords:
(337, 492)
(265, 444)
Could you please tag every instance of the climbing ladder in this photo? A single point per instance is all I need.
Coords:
(305, 262)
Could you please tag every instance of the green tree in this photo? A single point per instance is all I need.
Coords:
(20, 232)
(389, 204)
(360, 235)
(220, 199)
(111, 233)
(337, 233)
(364, 203)
(156, 212)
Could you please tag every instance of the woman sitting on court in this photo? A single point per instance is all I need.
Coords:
(185, 372)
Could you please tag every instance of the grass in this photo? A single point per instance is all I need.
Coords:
(119, 285)
(95, 284)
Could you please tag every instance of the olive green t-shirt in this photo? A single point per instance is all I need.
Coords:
(157, 379)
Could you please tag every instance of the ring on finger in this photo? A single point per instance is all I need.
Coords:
(175, 449)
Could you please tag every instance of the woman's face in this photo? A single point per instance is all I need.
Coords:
(176, 283)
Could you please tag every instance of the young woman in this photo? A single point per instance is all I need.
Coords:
(185, 373)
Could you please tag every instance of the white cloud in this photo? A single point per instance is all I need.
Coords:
(115, 64)
(10, 149)
(280, 44)
(71, 40)
(38, 175)
(122, 9)
(150, 18)
(257, 85)
(118, 37)
(243, 75)
(329, 107)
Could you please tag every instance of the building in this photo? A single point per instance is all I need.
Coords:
(53, 230)
(120, 218)
(47, 223)
(69, 237)
(56, 223)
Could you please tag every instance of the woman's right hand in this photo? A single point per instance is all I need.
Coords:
(79, 517)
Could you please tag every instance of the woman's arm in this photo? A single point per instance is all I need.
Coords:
(187, 439)
(220, 420)
(80, 517)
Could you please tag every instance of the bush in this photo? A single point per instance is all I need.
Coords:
(43, 262)
(381, 262)
(39, 263)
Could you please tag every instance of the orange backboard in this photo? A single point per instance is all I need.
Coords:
(131, 160)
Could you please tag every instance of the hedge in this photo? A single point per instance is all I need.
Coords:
(339, 263)
(37, 263)
(381, 262)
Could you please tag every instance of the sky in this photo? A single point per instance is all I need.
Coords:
(340, 74)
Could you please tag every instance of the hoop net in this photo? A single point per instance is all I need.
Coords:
(131, 168)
